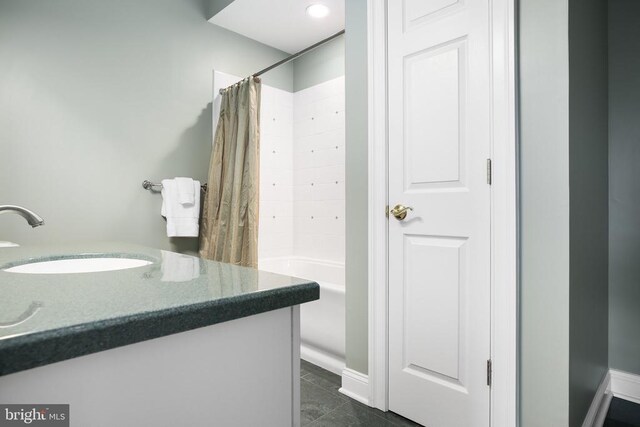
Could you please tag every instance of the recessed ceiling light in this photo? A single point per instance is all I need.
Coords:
(317, 10)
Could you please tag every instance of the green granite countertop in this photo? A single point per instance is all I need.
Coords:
(46, 318)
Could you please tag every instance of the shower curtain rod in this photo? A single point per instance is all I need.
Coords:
(294, 56)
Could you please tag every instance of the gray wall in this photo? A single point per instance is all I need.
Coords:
(563, 212)
(96, 96)
(215, 6)
(588, 182)
(320, 65)
(624, 185)
(544, 213)
(356, 185)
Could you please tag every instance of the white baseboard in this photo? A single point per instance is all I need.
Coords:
(616, 383)
(625, 385)
(600, 404)
(355, 385)
(320, 358)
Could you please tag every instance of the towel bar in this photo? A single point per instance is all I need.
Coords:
(155, 186)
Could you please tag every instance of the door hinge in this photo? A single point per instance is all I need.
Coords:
(489, 372)
(489, 171)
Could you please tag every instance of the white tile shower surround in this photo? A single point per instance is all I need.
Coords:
(276, 173)
(302, 170)
(318, 171)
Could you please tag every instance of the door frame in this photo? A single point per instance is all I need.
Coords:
(504, 219)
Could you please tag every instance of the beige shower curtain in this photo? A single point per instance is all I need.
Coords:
(229, 230)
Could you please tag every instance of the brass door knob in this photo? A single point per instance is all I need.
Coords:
(400, 211)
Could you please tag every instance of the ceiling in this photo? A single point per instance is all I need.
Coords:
(283, 24)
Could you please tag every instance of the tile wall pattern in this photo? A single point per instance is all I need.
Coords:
(319, 171)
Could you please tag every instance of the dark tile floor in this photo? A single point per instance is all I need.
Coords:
(322, 405)
(623, 413)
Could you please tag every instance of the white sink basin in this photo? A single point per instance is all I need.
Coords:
(78, 265)
(8, 244)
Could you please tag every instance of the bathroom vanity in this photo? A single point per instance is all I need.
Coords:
(177, 341)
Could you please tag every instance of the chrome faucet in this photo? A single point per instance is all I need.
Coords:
(32, 218)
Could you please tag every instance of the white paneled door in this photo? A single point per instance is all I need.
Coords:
(439, 254)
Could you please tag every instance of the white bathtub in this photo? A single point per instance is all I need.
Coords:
(322, 322)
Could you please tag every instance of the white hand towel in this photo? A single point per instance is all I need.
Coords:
(186, 193)
(182, 220)
(178, 267)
